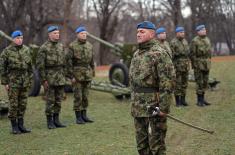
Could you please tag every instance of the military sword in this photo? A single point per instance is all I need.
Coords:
(156, 111)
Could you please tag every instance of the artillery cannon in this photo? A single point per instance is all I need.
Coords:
(119, 71)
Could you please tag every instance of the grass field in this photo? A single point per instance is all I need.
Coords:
(113, 130)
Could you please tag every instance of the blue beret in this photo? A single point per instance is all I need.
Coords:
(179, 29)
(199, 27)
(16, 34)
(146, 25)
(52, 28)
(160, 30)
(80, 29)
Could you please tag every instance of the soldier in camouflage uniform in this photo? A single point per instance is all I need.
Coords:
(180, 58)
(81, 68)
(51, 64)
(161, 40)
(16, 70)
(151, 81)
(200, 54)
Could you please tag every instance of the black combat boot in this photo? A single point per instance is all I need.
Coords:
(183, 101)
(15, 128)
(50, 123)
(57, 121)
(79, 119)
(204, 101)
(177, 100)
(21, 126)
(85, 118)
(200, 102)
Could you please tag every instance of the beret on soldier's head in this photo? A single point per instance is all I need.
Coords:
(146, 25)
(80, 29)
(179, 29)
(52, 28)
(16, 34)
(200, 27)
(160, 30)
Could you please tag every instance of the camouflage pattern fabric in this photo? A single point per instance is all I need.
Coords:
(81, 93)
(150, 135)
(51, 63)
(166, 46)
(180, 58)
(16, 71)
(200, 54)
(54, 96)
(80, 59)
(151, 67)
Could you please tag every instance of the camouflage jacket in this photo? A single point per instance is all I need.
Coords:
(200, 53)
(51, 63)
(80, 59)
(151, 67)
(16, 66)
(180, 54)
(165, 45)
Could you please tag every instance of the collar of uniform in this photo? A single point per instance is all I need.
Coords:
(146, 45)
(81, 41)
(52, 42)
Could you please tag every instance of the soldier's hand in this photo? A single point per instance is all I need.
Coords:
(7, 87)
(73, 80)
(45, 85)
(162, 114)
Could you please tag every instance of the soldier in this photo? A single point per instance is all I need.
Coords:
(81, 68)
(51, 64)
(161, 40)
(200, 54)
(16, 70)
(151, 80)
(180, 58)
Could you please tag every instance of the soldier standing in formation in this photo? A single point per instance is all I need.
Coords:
(161, 40)
(80, 60)
(52, 70)
(200, 54)
(180, 58)
(151, 79)
(16, 70)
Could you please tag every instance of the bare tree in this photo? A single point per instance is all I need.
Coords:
(107, 12)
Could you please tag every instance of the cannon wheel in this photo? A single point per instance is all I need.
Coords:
(119, 72)
(36, 85)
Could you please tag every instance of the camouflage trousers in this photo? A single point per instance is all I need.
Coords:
(201, 79)
(54, 96)
(181, 83)
(17, 102)
(81, 92)
(150, 135)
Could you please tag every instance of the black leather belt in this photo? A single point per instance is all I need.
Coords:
(145, 90)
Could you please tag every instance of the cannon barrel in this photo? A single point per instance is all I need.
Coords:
(5, 36)
(115, 49)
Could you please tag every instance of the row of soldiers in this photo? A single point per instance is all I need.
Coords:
(54, 65)
(157, 70)
(199, 52)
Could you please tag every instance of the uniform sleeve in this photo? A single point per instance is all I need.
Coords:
(4, 67)
(40, 63)
(166, 77)
(172, 46)
(69, 61)
(192, 54)
(92, 64)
